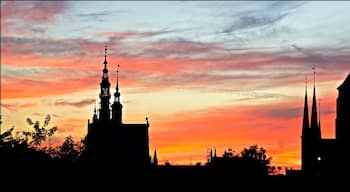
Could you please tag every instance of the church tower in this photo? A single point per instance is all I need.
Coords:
(314, 117)
(343, 125)
(305, 133)
(104, 92)
(117, 106)
(111, 141)
(343, 112)
(311, 136)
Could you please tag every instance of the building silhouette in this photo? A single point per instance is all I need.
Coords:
(326, 156)
(108, 138)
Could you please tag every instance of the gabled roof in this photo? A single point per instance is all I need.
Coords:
(346, 83)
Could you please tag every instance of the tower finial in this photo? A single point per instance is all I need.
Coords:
(105, 57)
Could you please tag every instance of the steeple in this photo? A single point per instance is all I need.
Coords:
(117, 94)
(104, 92)
(314, 121)
(155, 158)
(306, 122)
(117, 106)
(94, 117)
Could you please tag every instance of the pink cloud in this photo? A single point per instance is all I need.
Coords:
(16, 107)
(81, 103)
(36, 12)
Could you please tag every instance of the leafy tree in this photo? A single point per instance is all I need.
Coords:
(68, 150)
(40, 133)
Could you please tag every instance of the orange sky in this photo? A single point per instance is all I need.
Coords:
(201, 87)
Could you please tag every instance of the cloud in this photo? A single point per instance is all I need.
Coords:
(38, 114)
(48, 47)
(17, 16)
(9, 107)
(115, 37)
(255, 95)
(248, 22)
(78, 104)
(287, 112)
(35, 12)
(94, 14)
(16, 107)
(261, 17)
(180, 48)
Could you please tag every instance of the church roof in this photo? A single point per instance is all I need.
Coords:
(133, 126)
(346, 83)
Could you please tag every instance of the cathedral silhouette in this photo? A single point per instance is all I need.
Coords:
(109, 139)
(326, 156)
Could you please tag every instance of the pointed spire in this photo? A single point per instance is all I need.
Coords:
(155, 158)
(105, 57)
(117, 94)
(94, 117)
(306, 123)
(117, 86)
(314, 121)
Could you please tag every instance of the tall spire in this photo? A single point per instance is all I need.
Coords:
(314, 122)
(306, 123)
(104, 92)
(105, 57)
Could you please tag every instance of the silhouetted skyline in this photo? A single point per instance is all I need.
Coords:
(207, 74)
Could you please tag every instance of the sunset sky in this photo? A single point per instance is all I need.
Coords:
(207, 74)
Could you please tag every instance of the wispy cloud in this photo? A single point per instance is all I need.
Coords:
(248, 22)
(94, 14)
(261, 17)
(16, 107)
(18, 15)
(81, 103)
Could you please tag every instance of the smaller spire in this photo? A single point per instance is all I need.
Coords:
(117, 94)
(155, 158)
(105, 57)
(147, 123)
(117, 86)
(94, 117)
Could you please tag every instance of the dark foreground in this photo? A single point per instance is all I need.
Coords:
(165, 178)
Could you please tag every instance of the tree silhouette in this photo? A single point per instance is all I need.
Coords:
(68, 150)
(40, 133)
